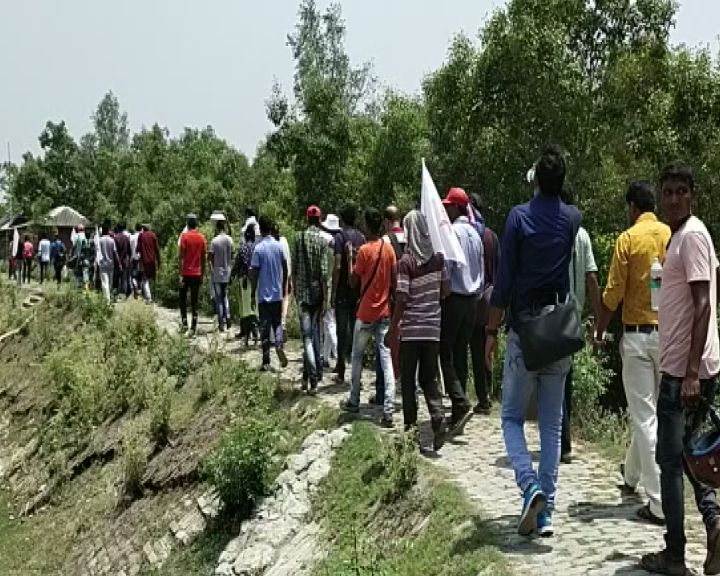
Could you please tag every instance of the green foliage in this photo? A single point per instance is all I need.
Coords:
(134, 462)
(368, 534)
(239, 467)
(400, 463)
(591, 379)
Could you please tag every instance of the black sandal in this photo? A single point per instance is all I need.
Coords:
(646, 514)
(661, 563)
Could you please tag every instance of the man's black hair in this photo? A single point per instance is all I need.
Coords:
(249, 234)
(641, 195)
(678, 172)
(250, 212)
(314, 220)
(550, 171)
(348, 214)
(107, 226)
(220, 225)
(373, 221)
(138, 227)
(266, 225)
(192, 223)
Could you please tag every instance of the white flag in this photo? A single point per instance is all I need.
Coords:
(15, 242)
(441, 231)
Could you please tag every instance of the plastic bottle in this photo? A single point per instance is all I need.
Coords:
(656, 272)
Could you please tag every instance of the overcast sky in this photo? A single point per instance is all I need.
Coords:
(193, 63)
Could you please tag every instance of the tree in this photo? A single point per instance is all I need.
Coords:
(111, 125)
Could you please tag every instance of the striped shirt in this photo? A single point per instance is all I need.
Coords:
(422, 286)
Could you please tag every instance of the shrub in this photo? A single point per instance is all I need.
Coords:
(134, 462)
(239, 467)
(159, 394)
(400, 461)
(175, 354)
(591, 378)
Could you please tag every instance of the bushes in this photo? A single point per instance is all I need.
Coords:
(400, 464)
(239, 467)
(134, 462)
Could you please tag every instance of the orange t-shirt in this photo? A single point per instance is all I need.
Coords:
(375, 303)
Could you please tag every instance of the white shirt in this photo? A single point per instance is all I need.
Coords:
(44, 250)
(133, 246)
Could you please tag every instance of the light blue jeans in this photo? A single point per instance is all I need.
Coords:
(517, 389)
(361, 336)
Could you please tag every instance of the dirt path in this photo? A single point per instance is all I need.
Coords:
(596, 533)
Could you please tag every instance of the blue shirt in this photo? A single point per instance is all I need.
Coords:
(267, 260)
(467, 280)
(536, 251)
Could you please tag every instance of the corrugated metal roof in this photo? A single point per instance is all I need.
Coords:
(65, 217)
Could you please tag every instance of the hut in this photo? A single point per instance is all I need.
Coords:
(62, 220)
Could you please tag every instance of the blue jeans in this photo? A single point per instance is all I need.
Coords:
(517, 387)
(674, 424)
(362, 334)
(223, 313)
(310, 328)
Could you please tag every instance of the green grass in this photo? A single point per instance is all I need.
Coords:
(431, 530)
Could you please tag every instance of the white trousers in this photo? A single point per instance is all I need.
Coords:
(330, 339)
(641, 380)
(106, 281)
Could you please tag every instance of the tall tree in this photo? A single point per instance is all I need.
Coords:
(111, 125)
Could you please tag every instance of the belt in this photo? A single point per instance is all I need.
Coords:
(642, 328)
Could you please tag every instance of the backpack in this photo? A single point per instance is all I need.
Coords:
(397, 246)
(347, 262)
(62, 251)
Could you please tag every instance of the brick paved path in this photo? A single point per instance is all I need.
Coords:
(595, 529)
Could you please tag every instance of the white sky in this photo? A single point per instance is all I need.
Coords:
(193, 63)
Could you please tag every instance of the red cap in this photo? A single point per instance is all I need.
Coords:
(456, 196)
(314, 212)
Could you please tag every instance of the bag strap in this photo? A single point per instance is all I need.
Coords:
(375, 269)
(306, 256)
(395, 244)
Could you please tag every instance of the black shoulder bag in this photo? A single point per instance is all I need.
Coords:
(551, 333)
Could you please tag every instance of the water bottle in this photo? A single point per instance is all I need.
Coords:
(656, 272)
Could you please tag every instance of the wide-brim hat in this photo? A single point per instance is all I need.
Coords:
(331, 223)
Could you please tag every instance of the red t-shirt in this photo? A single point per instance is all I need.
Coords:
(192, 247)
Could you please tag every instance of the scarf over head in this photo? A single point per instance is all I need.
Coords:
(417, 236)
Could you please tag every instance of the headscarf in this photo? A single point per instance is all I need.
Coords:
(419, 245)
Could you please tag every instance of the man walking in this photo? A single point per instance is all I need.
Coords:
(80, 258)
(583, 279)
(482, 377)
(459, 309)
(149, 252)
(534, 273)
(44, 256)
(344, 294)
(689, 363)
(122, 245)
(27, 252)
(268, 275)
(108, 261)
(192, 270)
(329, 228)
(629, 283)
(375, 272)
(220, 257)
(57, 257)
(310, 272)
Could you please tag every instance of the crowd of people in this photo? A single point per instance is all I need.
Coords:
(371, 275)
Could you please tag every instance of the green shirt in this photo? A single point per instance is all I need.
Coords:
(310, 264)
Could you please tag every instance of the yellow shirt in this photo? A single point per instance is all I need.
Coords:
(629, 276)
